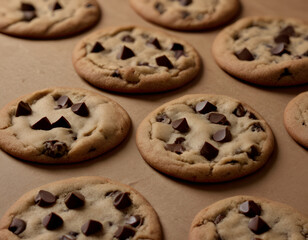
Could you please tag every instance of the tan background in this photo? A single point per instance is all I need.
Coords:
(27, 66)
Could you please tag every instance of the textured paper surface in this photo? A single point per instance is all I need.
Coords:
(27, 66)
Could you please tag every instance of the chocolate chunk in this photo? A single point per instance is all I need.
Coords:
(27, 7)
(29, 16)
(64, 102)
(163, 118)
(23, 109)
(177, 148)
(282, 39)
(219, 218)
(223, 135)
(98, 47)
(250, 209)
(258, 225)
(125, 53)
(42, 124)
(52, 221)
(177, 47)
(254, 152)
(55, 148)
(134, 221)
(154, 42)
(128, 38)
(179, 140)
(164, 62)
(185, 2)
(280, 49)
(209, 151)
(205, 107)
(256, 127)
(218, 118)
(178, 54)
(61, 123)
(74, 200)
(91, 227)
(17, 226)
(116, 74)
(122, 200)
(44, 199)
(289, 31)
(80, 109)
(244, 55)
(56, 6)
(124, 232)
(239, 111)
(159, 7)
(181, 125)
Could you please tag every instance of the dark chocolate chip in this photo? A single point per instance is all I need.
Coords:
(252, 116)
(29, 16)
(218, 118)
(27, 7)
(257, 225)
(205, 107)
(124, 232)
(209, 151)
(289, 31)
(185, 2)
(162, 117)
(239, 111)
(64, 102)
(154, 42)
(91, 227)
(116, 74)
(179, 140)
(80, 109)
(56, 6)
(23, 109)
(164, 62)
(134, 221)
(254, 152)
(45, 198)
(61, 123)
(282, 39)
(74, 200)
(125, 53)
(175, 147)
(52, 221)
(280, 49)
(178, 54)
(244, 55)
(181, 125)
(128, 38)
(122, 200)
(98, 47)
(250, 209)
(17, 226)
(219, 218)
(177, 46)
(223, 135)
(55, 148)
(159, 7)
(42, 124)
(256, 127)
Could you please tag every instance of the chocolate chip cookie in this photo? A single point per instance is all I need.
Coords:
(248, 217)
(133, 59)
(264, 50)
(296, 118)
(187, 14)
(47, 19)
(81, 208)
(62, 125)
(205, 138)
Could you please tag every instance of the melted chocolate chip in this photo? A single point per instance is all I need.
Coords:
(74, 200)
(223, 135)
(128, 38)
(250, 209)
(280, 49)
(282, 39)
(17, 226)
(239, 111)
(257, 225)
(159, 7)
(134, 221)
(56, 6)
(164, 62)
(124, 232)
(181, 125)
(98, 47)
(23, 109)
(219, 218)
(289, 31)
(154, 42)
(125, 53)
(116, 74)
(91, 227)
(254, 152)
(218, 118)
(80, 109)
(205, 107)
(185, 2)
(122, 200)
(175, 147)
(209, 151)
(244, 55)
(162, 117)
(52, 221)
(177, 47)
(64, 102)
(42, 124)
(44, 198)
(256, 127)
(61, 123)
(55, 148)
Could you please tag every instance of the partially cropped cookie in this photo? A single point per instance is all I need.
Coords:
(248, 217)
(62, 125)
(264, 50)
(296, 118)
(134, 59)
(47, 19)
(205, 138)
(81, 208)
(187, 14)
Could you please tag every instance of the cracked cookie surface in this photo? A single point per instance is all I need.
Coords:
(134, 59)
(296, 118)
(62, 125)
(248, 217)
(264, 50)
(45, 19)
(187, 14)
(81, 208)
(205, 138)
